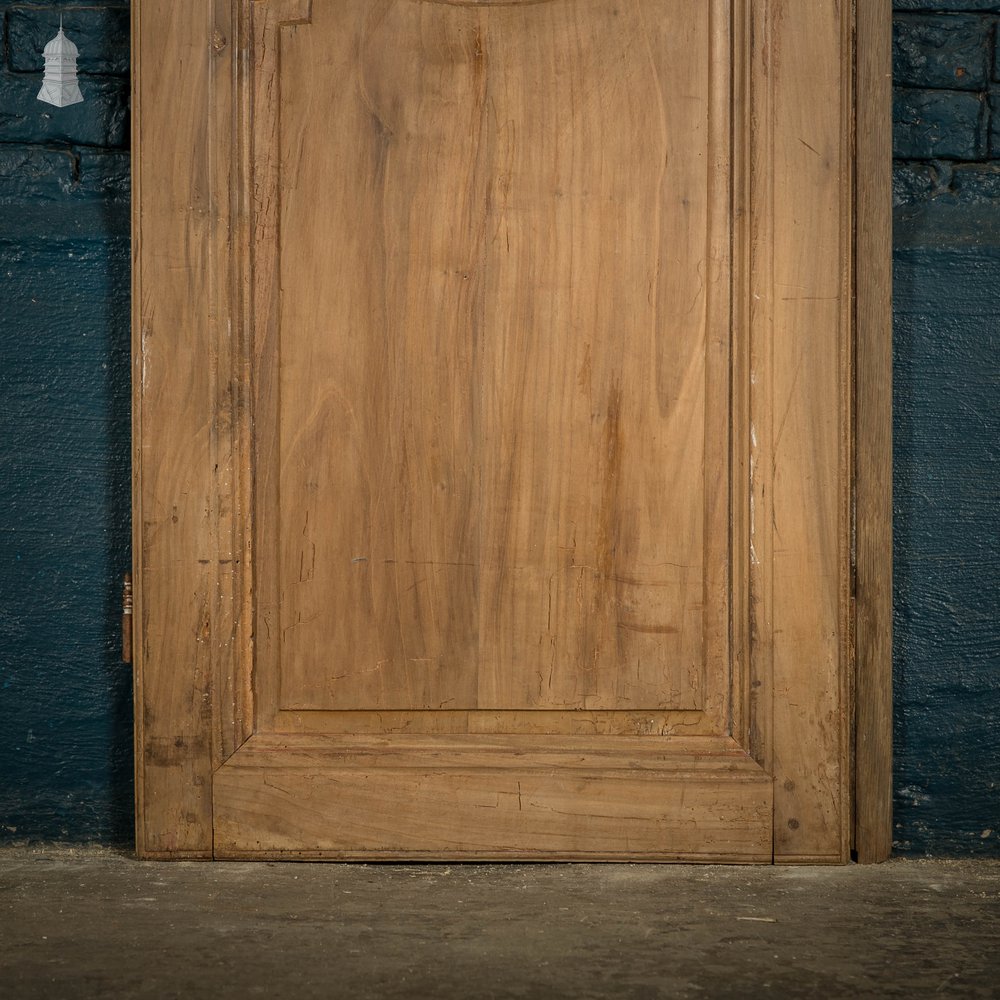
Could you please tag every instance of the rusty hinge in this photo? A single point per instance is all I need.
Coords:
(127, 618)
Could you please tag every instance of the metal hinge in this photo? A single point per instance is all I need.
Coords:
(127, 618)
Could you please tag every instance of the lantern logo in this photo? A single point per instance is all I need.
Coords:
(59, 86)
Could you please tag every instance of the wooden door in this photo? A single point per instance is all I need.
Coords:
(494, 402)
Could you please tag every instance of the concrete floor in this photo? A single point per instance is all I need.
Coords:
(83, 923)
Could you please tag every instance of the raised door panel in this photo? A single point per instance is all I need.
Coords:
(493, 467)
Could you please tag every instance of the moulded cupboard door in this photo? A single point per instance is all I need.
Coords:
(494, 428)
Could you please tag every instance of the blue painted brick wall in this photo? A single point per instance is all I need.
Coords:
(65, 722)
(65, 716)
(947, 426)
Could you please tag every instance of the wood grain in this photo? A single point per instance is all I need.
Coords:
(428, 800)
(494, 437)
(232, 702)
(800, 357)
(173, 538)
(873, 468)
(498, 482)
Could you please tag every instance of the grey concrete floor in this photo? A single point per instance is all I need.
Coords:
(91, 923)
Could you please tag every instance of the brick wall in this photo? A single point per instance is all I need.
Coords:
(946, 68)
(67, 155)
(65, 722)
(947, 426)
(65, 715)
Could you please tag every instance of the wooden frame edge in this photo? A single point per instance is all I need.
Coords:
(136, 430)
(873, 429)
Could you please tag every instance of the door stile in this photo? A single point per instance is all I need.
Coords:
(174, 538)
(756, 381)
(800, 354)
